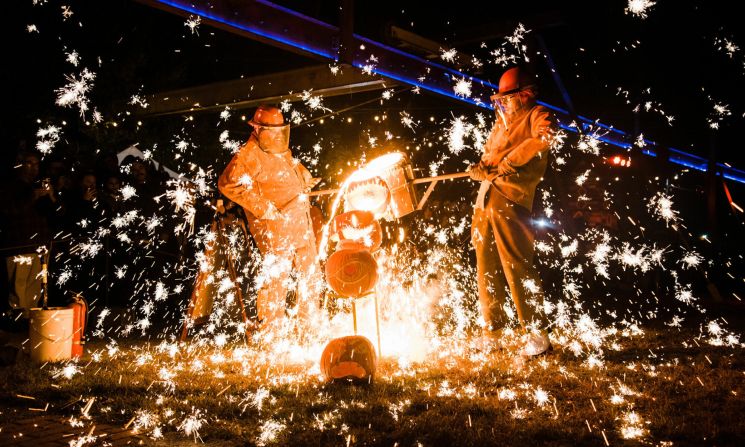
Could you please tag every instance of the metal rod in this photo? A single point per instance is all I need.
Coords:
(426, 194)
(323, 192)
(416, 181)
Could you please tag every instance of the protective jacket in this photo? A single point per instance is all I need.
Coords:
(523, 145)
(270, 188)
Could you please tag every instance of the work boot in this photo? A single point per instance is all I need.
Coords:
(534, 343)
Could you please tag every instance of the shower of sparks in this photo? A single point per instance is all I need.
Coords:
(513, 50)
(83, 441)
(233, 146)
(408, 121)
(662, 206)
(719, 112)
(639, 8)
(459, 130)
(462, 87)
(727, 46)
(225, 114)
(589, 143)
(640, 142)
(193, 23)
(369, 67)
(48, 137)
(296, 117)
(582, 178)
(66, 12)
(192, 424)
(540, 396)
(426, 292)
(181, 196)
(269, 431)
(127, 192)
(314, 102)
(448, 55)
(632, 427)
(32, 28)
(691, 259)
(138, 101)
(76, 91)
(67, 371)
(73, 58)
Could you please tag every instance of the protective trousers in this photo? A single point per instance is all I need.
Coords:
(279, 263)
(503, 237)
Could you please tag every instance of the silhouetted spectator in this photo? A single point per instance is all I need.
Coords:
(107, 165)
(85, 211)
(111, 195)
(26, 207)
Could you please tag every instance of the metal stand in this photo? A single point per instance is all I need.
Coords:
(377, 324)
(377, 318)
(432, 183)
(354, 315)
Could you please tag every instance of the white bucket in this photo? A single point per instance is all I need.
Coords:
(51, 334)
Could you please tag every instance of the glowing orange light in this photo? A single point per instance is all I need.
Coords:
(620, 160)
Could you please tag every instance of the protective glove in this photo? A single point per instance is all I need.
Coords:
(312, 184)
(505, 168)
(478, 172)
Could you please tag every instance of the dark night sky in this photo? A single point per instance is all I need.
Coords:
(597, 48)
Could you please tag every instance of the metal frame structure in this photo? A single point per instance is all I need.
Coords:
(287, 29)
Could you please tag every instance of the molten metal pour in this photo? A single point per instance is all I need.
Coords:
(383, 188)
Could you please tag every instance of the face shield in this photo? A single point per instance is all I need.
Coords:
(273, 139)
(508, 106)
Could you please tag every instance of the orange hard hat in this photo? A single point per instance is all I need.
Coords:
(514, 80)
(267, 116)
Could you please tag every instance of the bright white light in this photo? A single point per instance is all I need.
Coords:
(639, 8)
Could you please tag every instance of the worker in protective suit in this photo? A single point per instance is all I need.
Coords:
(513, 162)
(270, 185)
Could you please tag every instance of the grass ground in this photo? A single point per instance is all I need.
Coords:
(666, 387)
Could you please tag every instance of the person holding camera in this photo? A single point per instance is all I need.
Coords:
(27, 205)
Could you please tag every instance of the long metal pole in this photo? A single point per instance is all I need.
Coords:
(323, 192)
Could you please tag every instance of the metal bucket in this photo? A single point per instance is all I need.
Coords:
(51, 333)
(395, 171)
